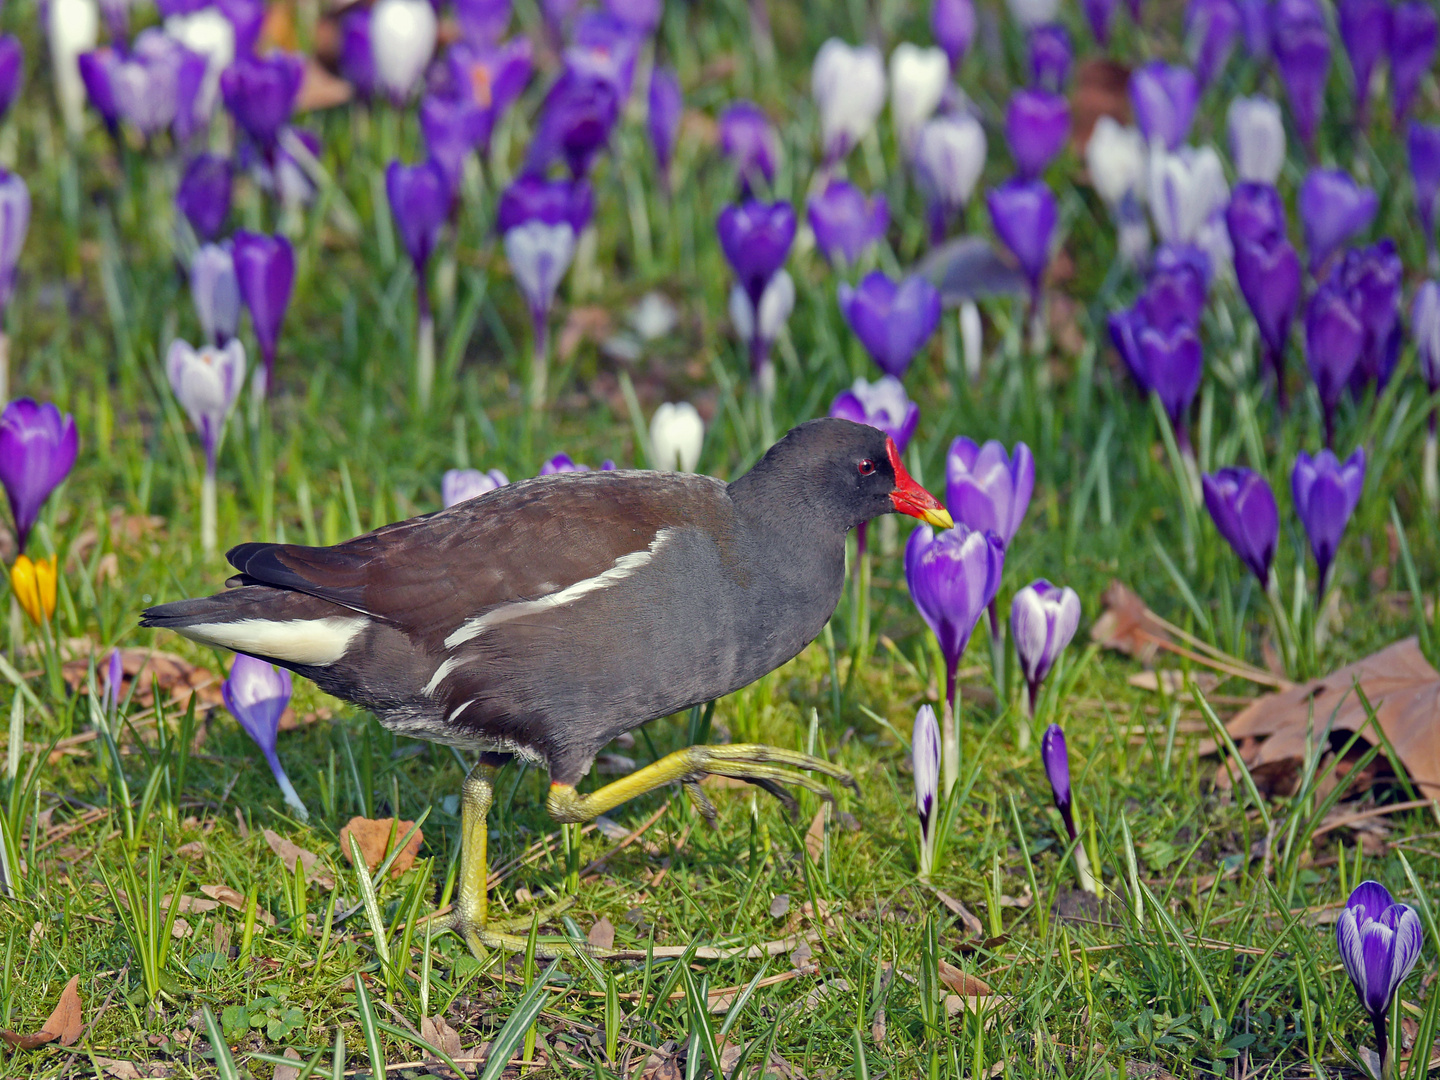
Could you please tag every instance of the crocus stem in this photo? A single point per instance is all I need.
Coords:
(207, 511)
(1275, 359)
(287, 789)
(425, 347)
(950, 730)
(1382, 1044)
(997, 646)
(860, 540)
(1430, 476)
(1329, 427)
(4, 367)
(1086, 875)
(1283, 630)
(539, 359)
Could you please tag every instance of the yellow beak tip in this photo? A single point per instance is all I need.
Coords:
(940, 518)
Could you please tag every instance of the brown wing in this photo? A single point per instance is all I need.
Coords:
(519, 542)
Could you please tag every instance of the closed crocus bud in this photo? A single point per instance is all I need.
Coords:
(12, 70)
(604, 46)
(457, 485)
(1115, 158)
(972, 339)
(1175, 287)
(1043, 619)
(1211, 27)
(357, 58)
(1372, 279)
(260, 93)
(1164, 97)
(1425, 328)
(97, 69)
(541, 221)
(1257, 139)
(203, 195)
(207, 384)
(453, 128)
(845, 223)
(882, 404)
(1326, 493)
(676, 435)
(114, 675)
(1036, 125)
(756, 239)
(1025, 215)
(848, 84)
(1098, 14)
(36, 585)
(579, 113)
(1054, 755)
(215, 290)
(1269, 276)
(953, 575)
(1051, 54)
(1413, 36)
(1423, 143)
(37, 451)
(1301, 44)
(1256, 213)
(1243, 508)
(402, 41)
(257, 693)
(1333, 210)
(1032, 13)
(1124, 327)
(1365, 33)
(14, 225)
(1187, 192)
(1174, 363)
(265, 268)
(662, 118)
(948, 159)
(918, 78)
(1379, 942)
(987, 488)
(953, 24)
(893, 320)
(751, 143)
(419, 198)
(1334, 338)
(925, 755)
(758, 323)
(72, 28)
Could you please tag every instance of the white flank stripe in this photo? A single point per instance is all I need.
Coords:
(440, 673)
(314, 642)
(458, 710)
(625, 566)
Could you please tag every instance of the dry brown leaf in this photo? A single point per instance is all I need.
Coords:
(1174, 682)
(815, 835)
(233, 900)
(65, 1025)
(289, 852)
(321, 90)
(662, 1067)
(962, 982)
(435, 1031)
(602, 934)
(195, 849)
(374, 838)
(174, 674)
(288, 1072)
(584, 323)
(1101, 89)
(1403, 689)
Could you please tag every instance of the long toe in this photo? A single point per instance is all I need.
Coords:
(715, 758)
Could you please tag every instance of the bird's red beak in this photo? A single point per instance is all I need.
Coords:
(910, 498)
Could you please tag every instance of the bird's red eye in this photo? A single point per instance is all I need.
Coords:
(867, 467)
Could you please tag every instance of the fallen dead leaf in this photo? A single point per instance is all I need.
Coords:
(1174, 682)
(1101, 89)
(65, 1024)
(288, 1072)
(174, 674)
(602, 934)
(585, 323)
(815, 836)
(195, 849)
(289, 852)
(962, 982)
(233, 900)
(374, 837)
(319, 89)
(662, 1066)
(435, 1031)
(180, 928)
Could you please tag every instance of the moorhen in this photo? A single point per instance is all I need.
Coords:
(543, 619)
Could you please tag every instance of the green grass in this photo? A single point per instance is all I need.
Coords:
(1199, 959)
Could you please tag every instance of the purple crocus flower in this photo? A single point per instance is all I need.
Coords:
(1051, 54)
(1326, 494)
(215, 290)
(845, 223)
(1334, 338)
(1056, 759)
(1425, 328)
(579, 113)
(260, 93)
(357, 59)
(457, 485)
(988, 489)
(882, 404)
(256, 693)
(1098, 14)
(1365, 33)
(453, 127)
(953, 576)
(1164, 97)
(248, 19)
(751, 143)
(97, 70)
(953, 24)
(482, 22)
(1025, 215)
(12, 70)
(491, 78)
(1043, 620)
(156, 83)
(1423, 143)
(564, 463)
(1414, 33)
(541, 222)
(114, 676)
(37, 451)
(1372, 278)
(1255, 214)
(1211, 27)
(1175, 286)
(1379, 942)
(756, 239)
(1267, 269)
(605, 46)
(662, 118)
(1301, 43)
(14, 225)
(419, 198)
(925, 755)
(641, 16)
(893, 320)
(203, 195)
(1243, 508)
(265, 266)
(1174, 363)
(1333, 209)
(1036, 125)
(1255, 25)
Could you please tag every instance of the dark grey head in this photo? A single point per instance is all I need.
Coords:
(836, 474)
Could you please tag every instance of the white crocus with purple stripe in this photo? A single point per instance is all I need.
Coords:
(925, 752)
(207, 382)
(1379, 942)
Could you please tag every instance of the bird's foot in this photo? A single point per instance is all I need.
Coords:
(513, 935)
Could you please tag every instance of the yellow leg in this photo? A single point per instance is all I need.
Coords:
(765, 765)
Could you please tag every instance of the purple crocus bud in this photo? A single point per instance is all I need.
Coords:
(751, 143)
(114, 676)
(265, 266)
(1301, 44)
(1125, 326)
(1256, 214)
(1379, 947)
(1173, 363)
(203, 195)
(662, 118)
(37, 452)
(1243, 508)
(1257, 139)
(604, 46)
(1425, 328)
(1414, 32)
(12, 70)
(256, 693)
(564, 463)
(1255, 25)
(1051, 54)
(541, 222)
(419, 198)
(453, 128)
(248, 18)
(848, 84)
(892, 320)
(1326, 494)
(260, 93)
(953, 576)
(216, 292)
(1334, 338)
(882, 404)
(756, 239)
(1175, 287)
(1043, 619)
(1372, 278)
(457, 485)
(579, 113)
(1098, 14)
(1423, 143)
(482, 22)
(1269, 276)
(641, 16)
(1211, 27)
(207, 384)
(14, 224)
(988, 489)
(1164, 97)
(1056, 758)
(845, 223)
(1025, 215)
(357, 59)
(925, 754)
(953, 24)
(1036, 125)
(1365, 33)
(97, 70)
(1333, 209)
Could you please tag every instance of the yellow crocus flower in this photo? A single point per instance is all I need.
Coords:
(35, 582)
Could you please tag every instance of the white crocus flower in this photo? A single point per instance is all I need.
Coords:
(949, 158)
(776, 303)
(1257, 139)
(212, 35)
(1187, 188)
(918, 78)
(1115, 156)
(74, 28)
(539, 255)
(1033, 13)
(676, 435)
(848, 83)
(402, 41)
